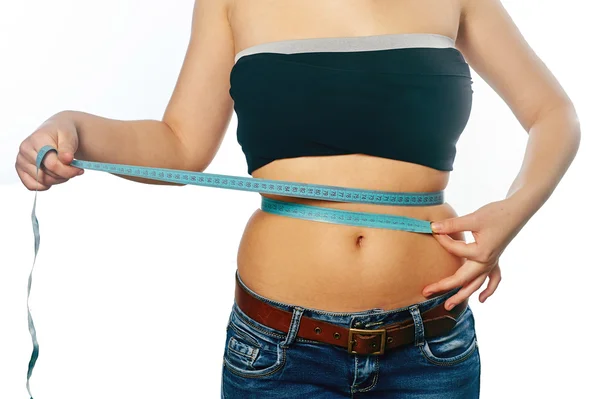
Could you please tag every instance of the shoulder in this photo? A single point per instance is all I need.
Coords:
(496, 49)
(222, 7)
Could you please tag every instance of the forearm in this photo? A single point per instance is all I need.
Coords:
(553, 142)
(138, 142)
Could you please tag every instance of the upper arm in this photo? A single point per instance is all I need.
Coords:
(497, 51)
(200, 107)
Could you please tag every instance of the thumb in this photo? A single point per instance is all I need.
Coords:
(453, 225)
(67, 145)
(65, 157)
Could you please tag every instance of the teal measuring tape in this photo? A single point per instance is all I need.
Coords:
(266, 186)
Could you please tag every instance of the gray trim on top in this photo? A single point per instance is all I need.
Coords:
(349, 43)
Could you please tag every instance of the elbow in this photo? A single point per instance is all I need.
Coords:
(573, 127)
(563, 114)
(562, 122)
(196, 162)
(185, 159)
(188, 158)
(571, 130)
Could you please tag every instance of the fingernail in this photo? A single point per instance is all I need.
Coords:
(80, 172)
(450, 306)
(436, 226)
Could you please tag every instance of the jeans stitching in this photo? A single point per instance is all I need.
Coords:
(440, 361)
(258, 375)
(461, 359)
(355, 374)
(375, 378)
(243, 333)
(252, 356)
(418, 326)
(462, 312)
(294, 325)
(251, 323)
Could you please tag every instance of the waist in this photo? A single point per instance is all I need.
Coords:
(343, 268)
(356, 170)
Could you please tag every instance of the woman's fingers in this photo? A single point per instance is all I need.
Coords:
(458, 247)
(456, 224)
(470, 276)
(43, 177)
(495, 277)
(466, 291)
(30, 182)
(466, 273)
(52, 164)
(55, 165)
(444, 284)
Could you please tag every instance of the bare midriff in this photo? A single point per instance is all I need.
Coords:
(335, 267)
(346, 268)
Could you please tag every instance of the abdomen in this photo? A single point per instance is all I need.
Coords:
(339, 267)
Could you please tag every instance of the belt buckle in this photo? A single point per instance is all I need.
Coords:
(382, 335)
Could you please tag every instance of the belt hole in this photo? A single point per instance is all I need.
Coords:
(373, 345)
(336, 335)
(390, 340)
(318, 330)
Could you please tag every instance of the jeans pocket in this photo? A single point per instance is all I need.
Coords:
(455, 346)
(251, 349)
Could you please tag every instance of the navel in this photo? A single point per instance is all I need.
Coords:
(359, 241)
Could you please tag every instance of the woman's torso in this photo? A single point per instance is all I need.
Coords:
(340, 267)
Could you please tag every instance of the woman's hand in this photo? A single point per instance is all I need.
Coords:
(493, 226)
(59, 132)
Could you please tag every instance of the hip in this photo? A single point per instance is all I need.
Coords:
(343, 268)
(272, 354)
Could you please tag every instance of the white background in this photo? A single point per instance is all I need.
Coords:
(133, 283)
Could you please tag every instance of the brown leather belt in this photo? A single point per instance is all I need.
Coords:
(436, 321)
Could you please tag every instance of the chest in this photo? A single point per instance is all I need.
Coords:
(258, 21)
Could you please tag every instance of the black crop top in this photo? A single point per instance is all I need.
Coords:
(399, 96)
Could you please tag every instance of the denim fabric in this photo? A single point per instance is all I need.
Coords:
(261, 362)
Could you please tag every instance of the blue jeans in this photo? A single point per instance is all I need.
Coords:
(261, 362)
